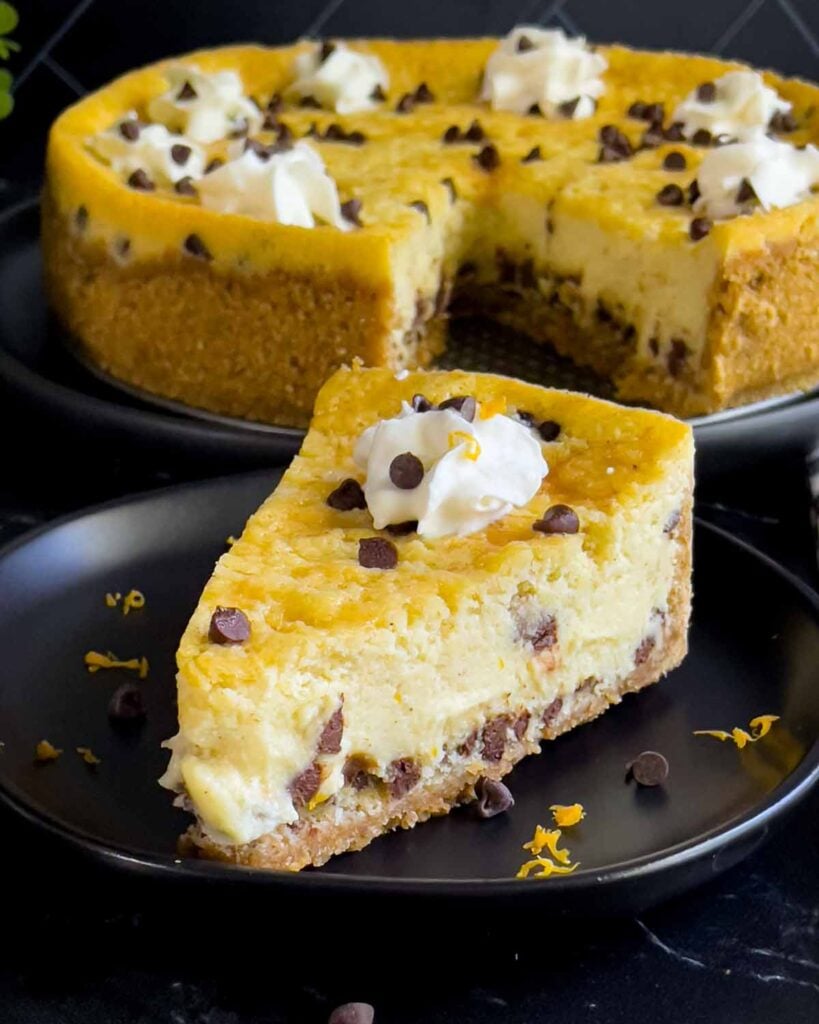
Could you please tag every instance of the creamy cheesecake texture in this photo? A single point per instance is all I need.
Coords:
(580, 222)
(364, 698)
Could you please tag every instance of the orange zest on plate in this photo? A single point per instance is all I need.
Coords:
(759, 726)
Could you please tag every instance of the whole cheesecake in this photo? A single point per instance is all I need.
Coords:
(455, 567)
(227, 228)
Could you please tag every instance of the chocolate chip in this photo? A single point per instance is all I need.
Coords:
(558, 519)
(351, 211)
(637, 111)
(674, 161)
(356, 138)
(330, 739)
(402, 775)
(377, 553)
(213, 164)
(275, 104)
(187, 92)
(352, 1013)
(745, 192)
(494, 737)
(378, 94)
(334, 132)
(194, 245)
(615, 145)
(468, 746)
(488, 158)
(549, 430)
(677, 357)
(402, 529)
(702, 137)
(423, 94)
(493, 798)
(305, 786)
(783, 121)
(185, 186)
(449, 185)
(670, 195)
(451, 135)
(672, 522)
(693, 192)
(699, 228)
(532, 156)
(551, 712)
(646, 646)
(474, 133)
(130, 129)
(81, 218)
(347, 496)
(228, 626)
(355, 772)
(140, 180)
(327, 50)
(652, 138)
(180, 153)
(540, 632)
(568, 108)
(654, 113)
(122, 247)
(464, 404)
(706, 92)
(420, 403)
(309, 103)
(527, 418)
(649, 769)
(271, 123)
(535, 111)
(675, 132)
(521, 724)
(406, 104)
(406, 471)
(422, 208)
(524, 43)
(126, 706)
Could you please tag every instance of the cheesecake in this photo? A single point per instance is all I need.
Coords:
(456, 568)
(227, 228)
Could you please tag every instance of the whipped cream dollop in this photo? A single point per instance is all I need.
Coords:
(339, 78)
(774, 173)
(544, 67)
(474, 473)
(131, 146)
(290, 186)
(205, 107)
(735, 105)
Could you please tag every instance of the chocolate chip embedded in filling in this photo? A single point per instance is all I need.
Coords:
(423, 94)
(420, 403)
(402, 776)
(521, 724)
(492, 798)
(551, 712)
(558, 519)
(275, 104)
(783, 121)
(549, 430)
(568, 108)
(449, 185)
(309, 103)
(693, 192)
(406, 104)
(326, 50)
(674, 161)
(524, 43)
(474, 133)
(647, 645)
(378, 94)
(535, 111)
(468, 745)
(402, 529)
(185, 186)
(180, 153)
(377, 553)
(126, 706)
(706, 92)
(140, 181)
(699, 228)
(228, 626)
(541, 632)
(615, 146)
(356, 772)
(654, 113)
(532, 156)
(675, 132)
(488, 159)
(406, 471)
(702, 137)
(347, 496)
(464, 404)
(330, 739)
(672, 522)
(81, 218)
(351, 211)
(637, 111)
(122, 246)
(677, 357)
(131, 129)
(671, 195)
(451, 135)
(422, 208)
(745, 192)
(194, 246)
(305, 786)
(187, 92)
(494, 737)
(214, 164)
(652, 138)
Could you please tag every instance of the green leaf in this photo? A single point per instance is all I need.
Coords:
(7, 47)
(5, 80)
(8, 18)
(6, 104)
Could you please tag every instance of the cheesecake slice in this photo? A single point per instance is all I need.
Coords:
(455, 568)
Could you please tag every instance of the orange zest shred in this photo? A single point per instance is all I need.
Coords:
(544, 867)
(566, 816)
(558, 861)
(460, 437)
(230, 541)
(133, 599)
(45, 752)
(493, 407)
(759, 726)
(112, 600)
(94, 661)
(88, 755)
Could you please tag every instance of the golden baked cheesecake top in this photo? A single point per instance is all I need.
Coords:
(398, 577)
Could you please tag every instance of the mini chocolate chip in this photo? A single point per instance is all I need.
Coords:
(194, 245)
(377, 553)
(532, 156)
(327, 50)
(649, 769)
(783, 121)
(677, 357)
(745, 192)
(474, 133)
(702, 137)
(699, 228)
(214, 164)
(451, 135)
(674, 161)
(126, 706)
(81, 218)
(356, 138)
(122, 247)
(493, 798)
(420, 403)
(271, 122)
(180, 153)
(275, 104)
(488, 158)
(494, 737)
(568, 108)
(706, 92)
(140, 180)
(646, 646)
(423, 94)
(378, 94)
(549, 430)
(352, 1013)
(130, 129)
(535, 111)
(541, 633)
(406, 471)
(422, 208)
(526, 417)
(449, 185)
(654, 113)
(675, 132)
(670, 195)
(652, 138)
(402, 529)
(615, 145)
(355, 772)
(693, 192)
(309, 103)
(187, 92)
(672, 522)
(637, 111)
(402, 775)
(351, 211)
(305, 786)
(524, 43)
(521, 724)
(334, 132)
(406, 104)
(551, 712)
(347, 496)
(330, 739)
(228, 626)
(464, 404)
(185, 186)
(558, 519)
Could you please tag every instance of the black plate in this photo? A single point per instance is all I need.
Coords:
(36, 363)
(748, 656)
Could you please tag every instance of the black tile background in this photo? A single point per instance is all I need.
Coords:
(70, 46)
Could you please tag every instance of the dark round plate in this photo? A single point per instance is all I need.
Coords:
(37, 363)
(749, 656)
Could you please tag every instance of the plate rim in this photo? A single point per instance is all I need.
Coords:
(778, 802)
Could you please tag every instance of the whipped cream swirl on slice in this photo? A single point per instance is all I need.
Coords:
(774, 173)
(738, 104)
(339, 78)
(205, 107)
(131, 146)
(544, 67)
(291, 186)
(474, 473)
